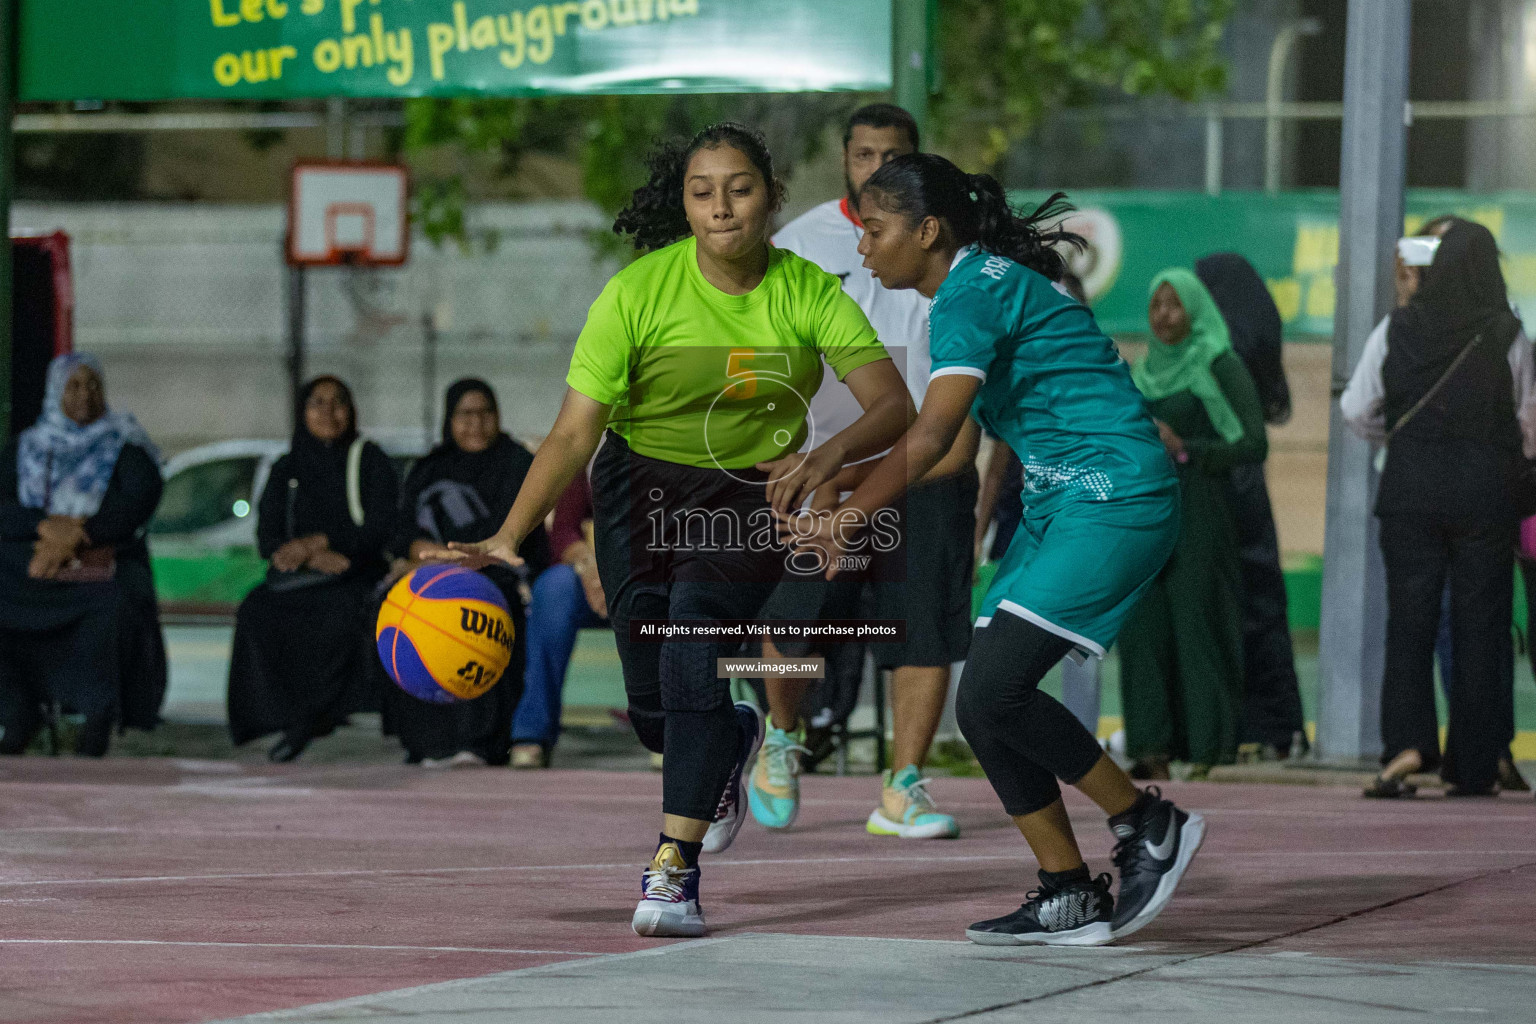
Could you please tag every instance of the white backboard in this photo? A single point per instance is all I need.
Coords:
(348, 213)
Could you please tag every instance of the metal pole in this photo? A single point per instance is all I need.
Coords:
(8, 54)
(1215, 150)
(296, 297)
(1279, 57)
(1352, 637)
(910, 73)
(429, 374)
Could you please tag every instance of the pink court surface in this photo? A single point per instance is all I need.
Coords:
(180, 891)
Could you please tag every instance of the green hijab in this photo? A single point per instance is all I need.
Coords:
(1169, 369)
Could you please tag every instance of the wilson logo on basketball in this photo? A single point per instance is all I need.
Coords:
(480, 624)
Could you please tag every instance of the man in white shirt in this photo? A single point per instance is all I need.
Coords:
(927, 580)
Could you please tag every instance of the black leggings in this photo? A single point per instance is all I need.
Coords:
(1024, 739)
(678, 704)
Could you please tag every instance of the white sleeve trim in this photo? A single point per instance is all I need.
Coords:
(1363, 402)
(965, 371)
(1522, 367)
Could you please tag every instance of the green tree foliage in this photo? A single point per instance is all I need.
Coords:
(1003, 65)
(1006, 64)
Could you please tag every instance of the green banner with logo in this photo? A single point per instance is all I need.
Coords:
(1292, 239)
(289, 49)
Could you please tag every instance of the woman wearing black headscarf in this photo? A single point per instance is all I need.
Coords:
(1447, 510)
(1272, 716)
(323, 519)
(462, 491)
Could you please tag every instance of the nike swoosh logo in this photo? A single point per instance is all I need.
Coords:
(1163, 850)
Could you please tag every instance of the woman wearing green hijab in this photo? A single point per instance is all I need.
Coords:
(1181, 650)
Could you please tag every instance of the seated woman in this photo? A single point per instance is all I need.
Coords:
(323, 519)
(1181, 651)
(567, 597)
(462, 491)
(78, 623)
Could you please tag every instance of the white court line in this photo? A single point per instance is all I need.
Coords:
(289, 945)
(1245, 855)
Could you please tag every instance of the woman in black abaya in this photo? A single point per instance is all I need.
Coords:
(462, 491)
(1272, 714)
(324, 517)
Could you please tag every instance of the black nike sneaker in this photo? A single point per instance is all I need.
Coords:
(1153, 853)
(1076, 914)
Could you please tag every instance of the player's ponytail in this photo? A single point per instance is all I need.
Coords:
(655, 216)
(975, 209)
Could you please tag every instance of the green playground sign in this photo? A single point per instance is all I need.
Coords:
(1292, 239)
(294, 49)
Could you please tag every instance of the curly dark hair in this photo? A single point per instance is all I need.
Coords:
(655, 217)
(976, 209)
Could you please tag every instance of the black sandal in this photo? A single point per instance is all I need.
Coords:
(1386, 788)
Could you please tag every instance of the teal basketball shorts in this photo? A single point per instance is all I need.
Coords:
(1079, 572)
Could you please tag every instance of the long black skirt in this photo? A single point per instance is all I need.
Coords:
(482, 726)
(1272, 711)
(298, 661)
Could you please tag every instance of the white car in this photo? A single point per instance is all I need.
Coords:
(203, 534)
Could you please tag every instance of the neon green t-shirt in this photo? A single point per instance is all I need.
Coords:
(702, 378)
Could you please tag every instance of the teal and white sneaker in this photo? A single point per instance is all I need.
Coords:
(774, 795)
(907, 811)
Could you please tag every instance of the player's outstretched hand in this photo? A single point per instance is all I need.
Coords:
(793, 478)
(497, 547)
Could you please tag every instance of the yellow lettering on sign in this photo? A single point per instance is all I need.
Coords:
(327, 56)
(623, 11)
(313, 7)
(221, 17)
(1287, 295)
(561, 13)
(1321, 297)
(681, 8)
(357, 50)
(402, 59)
(277, 10)
(541, 33)
(594, 15)
(482, 34)
(277, 55)
(510, 28)
(461, 25)
(1317, 248)
(349, 15)
(440, 39)
(226, 70)
(252, 10)
(252, 65)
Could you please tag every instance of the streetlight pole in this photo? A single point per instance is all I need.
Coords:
(8, 54)
(1352, 638)
(1274, 93)
(910, 73)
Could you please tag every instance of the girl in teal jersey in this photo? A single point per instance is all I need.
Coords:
(1012, 348)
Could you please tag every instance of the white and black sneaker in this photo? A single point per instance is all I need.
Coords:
(1153, 852)
(1076, 914)
(731, 811)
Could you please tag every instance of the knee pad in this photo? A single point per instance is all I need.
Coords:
(688, 678)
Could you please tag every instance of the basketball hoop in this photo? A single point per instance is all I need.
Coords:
(351, 214)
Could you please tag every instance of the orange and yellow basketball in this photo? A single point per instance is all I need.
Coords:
(444, 634)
